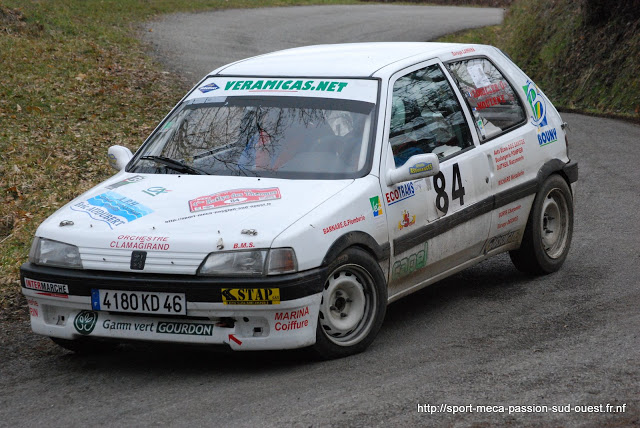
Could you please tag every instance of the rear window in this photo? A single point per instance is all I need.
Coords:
(491, 98)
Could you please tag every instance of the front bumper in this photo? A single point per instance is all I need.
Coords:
(66, 312)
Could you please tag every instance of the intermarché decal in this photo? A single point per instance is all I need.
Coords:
(285, 85)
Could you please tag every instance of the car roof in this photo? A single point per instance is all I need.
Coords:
(341, 60)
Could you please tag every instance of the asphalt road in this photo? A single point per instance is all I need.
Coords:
(192, 45)
(487, 336)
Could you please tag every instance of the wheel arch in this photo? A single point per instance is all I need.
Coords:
(358, 239)
(567, 170)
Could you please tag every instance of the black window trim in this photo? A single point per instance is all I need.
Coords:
(508, 79)
(447, 74)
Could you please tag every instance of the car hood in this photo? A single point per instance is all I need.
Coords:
(182, 214)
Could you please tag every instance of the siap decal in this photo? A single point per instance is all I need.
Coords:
(250, 296)
(208, 88)
(376, 206)
(112, 208)
(402, 192)
(407, 220)
(233, 197)
(155, 191)
(420, 167)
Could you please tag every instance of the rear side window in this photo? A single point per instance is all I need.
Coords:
(495, 107)
(426, 116)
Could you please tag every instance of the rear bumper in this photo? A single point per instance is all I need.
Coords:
(63, 309)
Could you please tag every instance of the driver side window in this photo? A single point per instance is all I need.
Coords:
(426, 116)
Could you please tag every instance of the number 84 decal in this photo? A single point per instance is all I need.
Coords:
(440, 186)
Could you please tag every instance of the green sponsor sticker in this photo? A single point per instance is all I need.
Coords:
(85, 322)
(193, 329)
(285, 85)
(410, 264)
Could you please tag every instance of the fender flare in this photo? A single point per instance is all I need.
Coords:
(357, 239)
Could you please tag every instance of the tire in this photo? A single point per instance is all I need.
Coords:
(547, 236)
(354, 302)
(85, 347)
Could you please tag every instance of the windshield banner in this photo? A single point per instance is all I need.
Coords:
(352, 89)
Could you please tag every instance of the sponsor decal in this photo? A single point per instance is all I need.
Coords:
(208, 88)
(112, 208)
(499, 241)
(292, 319)
(410, 264)
(155, 191)
(243, 245)
(508, 178)
(508, 222)
(487, 90)
(48, 287)
(407, 220)
(233, 197)
(547, 137)
(402, 192)
(59, 296)
(376, 206)
(284, 85)
(251, 296)
(463, 51)
(85, 322)
(343, 224)
(192, 329)
(509, 155)
(130, 180)
(494, 101)
(420, 167)
(141, 242)
(219, 211)
(508, 211)
(33, 308)
(537, 104)
(112, 160)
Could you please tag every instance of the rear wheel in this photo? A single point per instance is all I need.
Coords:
(353, 305)
(548, 233)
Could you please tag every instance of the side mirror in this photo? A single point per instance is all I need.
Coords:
(418, 166)
(119, 157)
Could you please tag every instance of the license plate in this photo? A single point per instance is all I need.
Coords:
(139, 302)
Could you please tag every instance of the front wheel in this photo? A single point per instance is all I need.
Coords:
(548, 233)
(354, 302)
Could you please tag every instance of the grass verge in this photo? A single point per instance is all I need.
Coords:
(74, 80)
(588, 67)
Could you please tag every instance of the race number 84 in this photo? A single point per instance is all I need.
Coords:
(457, 189)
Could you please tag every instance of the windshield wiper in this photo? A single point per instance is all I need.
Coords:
(175, 165)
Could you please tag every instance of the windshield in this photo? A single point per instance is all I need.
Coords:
(271, 136)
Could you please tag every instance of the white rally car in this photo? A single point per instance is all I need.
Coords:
(288, 198)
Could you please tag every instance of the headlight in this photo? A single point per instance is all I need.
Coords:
(54, 253)
(250, 263)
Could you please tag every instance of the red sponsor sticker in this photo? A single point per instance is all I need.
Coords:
(233, 197)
